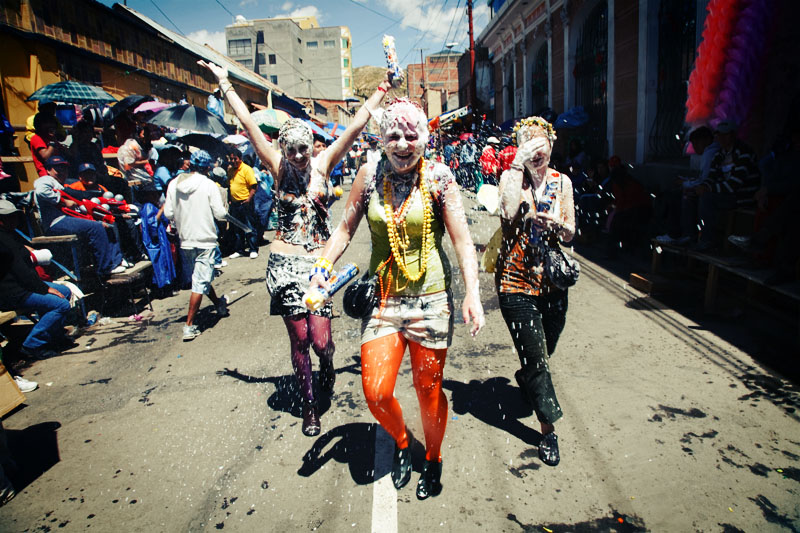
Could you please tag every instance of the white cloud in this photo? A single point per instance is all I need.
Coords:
(214, 39)
(305, 11)
(245, 3)
(435, 22)
(287, 6)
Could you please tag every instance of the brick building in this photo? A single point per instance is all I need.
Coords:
(441, 76)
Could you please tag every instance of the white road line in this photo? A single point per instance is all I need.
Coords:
(384, 495)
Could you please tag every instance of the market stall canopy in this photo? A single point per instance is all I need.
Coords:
(334, 128)
(72, 92)
(189, 117)
(319, 131)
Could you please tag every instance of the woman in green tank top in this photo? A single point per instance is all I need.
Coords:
(409, 203)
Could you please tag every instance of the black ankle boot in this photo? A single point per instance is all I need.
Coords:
(401, 467)
(548, 450)
(430, 481)
(327, 377)
(311, 425)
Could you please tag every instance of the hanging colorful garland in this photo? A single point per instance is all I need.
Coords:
(706, 78)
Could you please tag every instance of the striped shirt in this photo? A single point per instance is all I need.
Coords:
(734, 171)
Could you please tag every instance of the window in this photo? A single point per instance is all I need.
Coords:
(347, 82)
(345, 43)
(274, 79)
(539, 79)
(272, 60)
(591, 69)
(345, 61)
(300, 59)
(311, 44)
(247, 63)
(329, 44)
(240, 47)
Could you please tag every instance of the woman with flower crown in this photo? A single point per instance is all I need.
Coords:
(536, 211)
(302, 191)
(409, 203)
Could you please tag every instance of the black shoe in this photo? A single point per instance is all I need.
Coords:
(311, 425)
(401, 467)
(548, 449)
(38, 353)
(66, 343)
(327, 377)
(429, 483)
(523, 390)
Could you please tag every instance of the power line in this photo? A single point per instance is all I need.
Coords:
(379, 33)
(225, 8)
(432, 20)
(166, 17)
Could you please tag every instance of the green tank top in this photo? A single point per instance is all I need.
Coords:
(438, 273)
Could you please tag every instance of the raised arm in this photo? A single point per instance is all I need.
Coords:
(268, 155)
(566, 211)
(331, 156)
(455, 220)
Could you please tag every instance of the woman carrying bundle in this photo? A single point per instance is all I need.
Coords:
(409, 203)
(302, 190)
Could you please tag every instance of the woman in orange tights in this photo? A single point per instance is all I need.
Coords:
(409, 203)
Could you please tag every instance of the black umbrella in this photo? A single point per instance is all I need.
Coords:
(204, 141)
(129, 102)
(189, 117)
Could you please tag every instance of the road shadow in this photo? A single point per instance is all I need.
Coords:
(496, 403)
(353, 444)
(35, 450)
(286, 396)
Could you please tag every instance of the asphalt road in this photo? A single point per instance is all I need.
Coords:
(666, 427)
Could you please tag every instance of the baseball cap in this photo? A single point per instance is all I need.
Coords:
(7, 208)
(55, 161)
(493, 140)
(726, 126)
(219, 172)
(201, 159)
(83, 167)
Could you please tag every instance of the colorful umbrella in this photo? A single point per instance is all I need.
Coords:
(189, 117)
(72, 92)
(270, 120)
(151, 107)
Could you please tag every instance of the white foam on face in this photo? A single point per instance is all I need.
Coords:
(404, 129)
(296, 140)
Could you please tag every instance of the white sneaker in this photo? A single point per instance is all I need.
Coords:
(221, 264)
(234, 255)
(119, 270)
(25, 385)
(190, 332)
(126, 263)
(665, 239)
(222, 306)
(253, 255)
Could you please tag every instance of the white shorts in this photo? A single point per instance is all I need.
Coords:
(203, 269)
(426, 320)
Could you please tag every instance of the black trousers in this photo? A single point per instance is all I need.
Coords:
(535, 324)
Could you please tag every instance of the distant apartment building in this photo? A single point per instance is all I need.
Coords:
(296, 54)
(441, 76)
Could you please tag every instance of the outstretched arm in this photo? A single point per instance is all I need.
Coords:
(336, 151)
(268, 155)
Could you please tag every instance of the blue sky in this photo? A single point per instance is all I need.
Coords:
(414, 23)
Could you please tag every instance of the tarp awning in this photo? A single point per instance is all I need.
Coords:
(450, 116)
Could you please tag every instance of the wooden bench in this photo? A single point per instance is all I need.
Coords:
(736, 265)
(133, 278)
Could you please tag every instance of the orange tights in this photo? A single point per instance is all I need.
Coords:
(380, 362)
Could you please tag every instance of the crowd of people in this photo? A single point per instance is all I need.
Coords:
(185, 210)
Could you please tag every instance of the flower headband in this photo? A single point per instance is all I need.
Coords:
(536, 121)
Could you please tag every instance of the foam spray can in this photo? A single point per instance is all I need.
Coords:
(317, 297)
(391, 61)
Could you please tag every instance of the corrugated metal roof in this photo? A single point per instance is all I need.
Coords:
(235, 69)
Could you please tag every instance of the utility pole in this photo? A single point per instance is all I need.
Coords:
(424, 98)
(472, 84)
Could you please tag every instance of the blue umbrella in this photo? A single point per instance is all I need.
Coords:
(72, 92)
